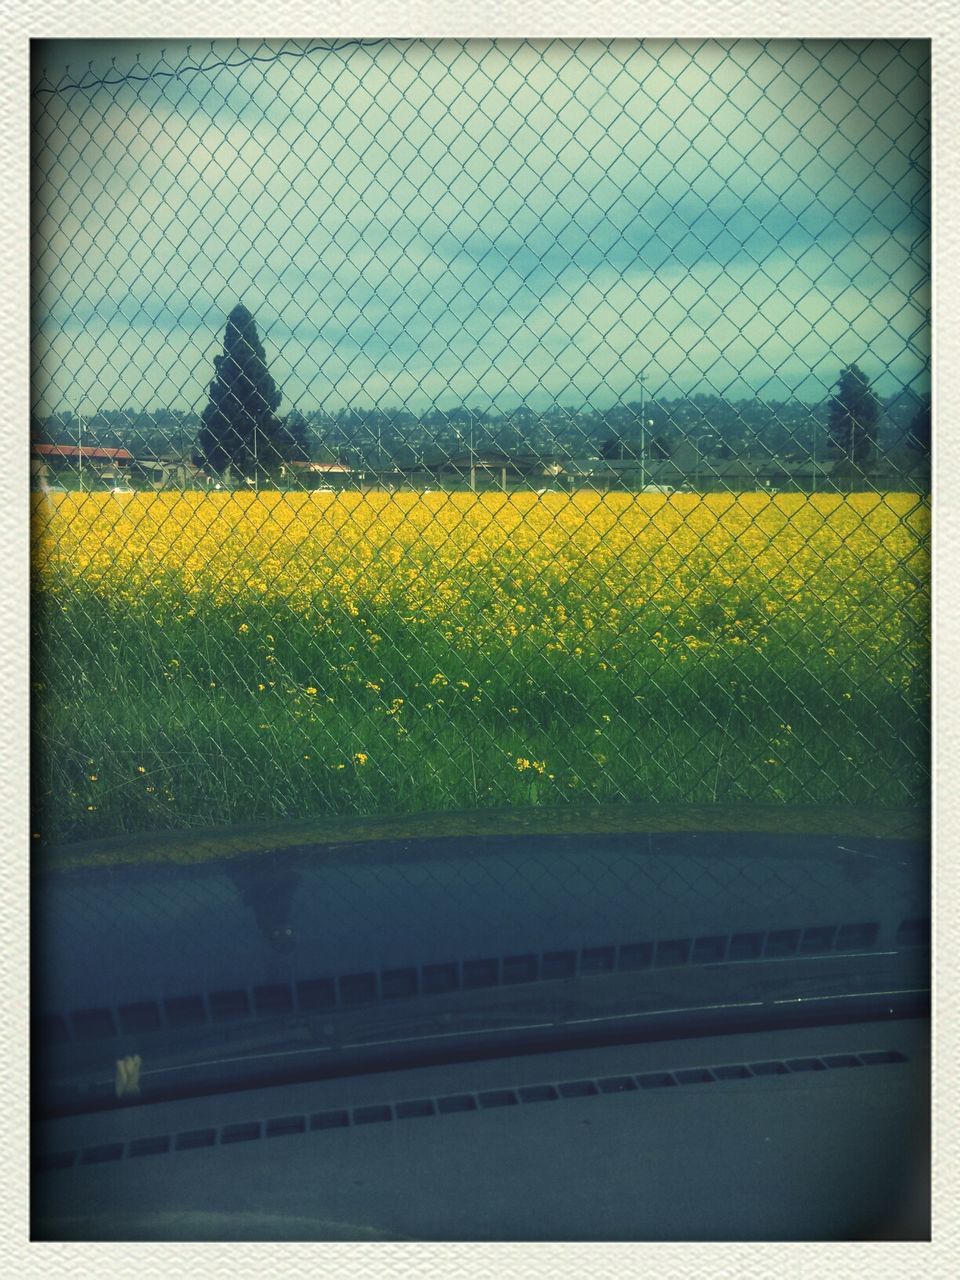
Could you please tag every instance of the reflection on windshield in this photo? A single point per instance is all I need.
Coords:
(267, 889)
(334, 947)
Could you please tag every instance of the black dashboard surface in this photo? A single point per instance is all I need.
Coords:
(804, 1134)
(648, 1035)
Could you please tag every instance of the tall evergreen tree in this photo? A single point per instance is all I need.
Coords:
(853, 415)
(918, 433)
(239, 430)
(294, 439)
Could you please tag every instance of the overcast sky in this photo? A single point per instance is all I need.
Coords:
(481, 223)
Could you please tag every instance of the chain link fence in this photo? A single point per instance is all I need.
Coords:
(447, 425)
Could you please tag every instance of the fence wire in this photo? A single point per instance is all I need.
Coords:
(448, 425)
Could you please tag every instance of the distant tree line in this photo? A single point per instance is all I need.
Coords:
(744, 428)
(241, 431)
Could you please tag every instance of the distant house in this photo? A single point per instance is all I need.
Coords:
(166, 471)
(481, 469)
(689, 468)
(83, 462)
(313, 475)
(900, 469)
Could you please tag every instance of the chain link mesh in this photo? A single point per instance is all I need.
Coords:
(574, 446)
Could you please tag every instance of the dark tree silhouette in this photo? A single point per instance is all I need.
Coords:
(918, 433)
(297, 434)
(239, 429)
(853, 414)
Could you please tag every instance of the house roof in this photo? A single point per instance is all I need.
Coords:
(75, 451)
(323, 467)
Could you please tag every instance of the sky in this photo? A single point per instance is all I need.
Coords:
(486, 223)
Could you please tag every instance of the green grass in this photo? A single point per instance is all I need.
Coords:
(143, 725)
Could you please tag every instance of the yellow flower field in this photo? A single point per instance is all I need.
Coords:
(262, 655)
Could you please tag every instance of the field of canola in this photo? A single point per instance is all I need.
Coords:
(214, 658)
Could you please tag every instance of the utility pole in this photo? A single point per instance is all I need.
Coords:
(643, 440)
(80, 446)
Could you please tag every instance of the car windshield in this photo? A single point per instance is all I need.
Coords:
(481, 532)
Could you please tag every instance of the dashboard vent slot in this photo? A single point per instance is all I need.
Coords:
(695, 1075)
(520, 968)
(150, 1146)
(480, 973)
(913, 933)
(331, 991)
(397, 984)
(598, 960)
(459, 1103)
(249, 1132)
(673, 952)
(538, 1093)
(577, 1089)
(656, 1080)
(709, 950)
(498, 1098)
(456, 1102)
(225, 1005)
(330, 1120)
(93, 1024)
(140, 1018)
(559, 964)
(358, 988)
(102, 1154)
(372, 1115)
(617, 1084)
(286, 1126)
(195, 1138)
(273, 999)
(417, 1108)
(185, 1011)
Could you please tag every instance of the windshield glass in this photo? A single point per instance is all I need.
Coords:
(481, 548)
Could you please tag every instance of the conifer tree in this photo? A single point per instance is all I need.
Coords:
(853, 414)
(239, 430)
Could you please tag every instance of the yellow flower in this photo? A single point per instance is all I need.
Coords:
(311, 691)
(361, 758)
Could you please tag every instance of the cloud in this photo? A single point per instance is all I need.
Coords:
(412, 222)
